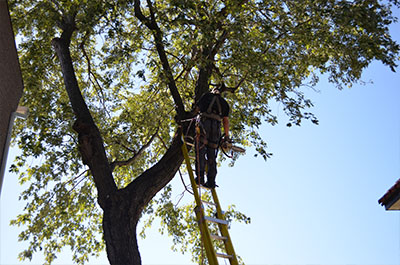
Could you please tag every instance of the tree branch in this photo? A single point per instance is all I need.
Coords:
(91, 144)
(210, 52)
(188, 66)
(218, 44)
(130, 161)
(230, 89)
(206, 71)
(90, 73)
(151, 24)
(155, 178)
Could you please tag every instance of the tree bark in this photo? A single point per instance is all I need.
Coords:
(119, 225)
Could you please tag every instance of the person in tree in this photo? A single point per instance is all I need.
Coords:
(213, 109)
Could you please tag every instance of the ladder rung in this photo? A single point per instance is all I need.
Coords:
(201, 186)
(217, 237)
(190, 144)
(216, 220)
(204, 188)
(209, 203)
(199, 209)
(189, 140)
(225, 256)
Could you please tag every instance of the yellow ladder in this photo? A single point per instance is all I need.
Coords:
(210, 240)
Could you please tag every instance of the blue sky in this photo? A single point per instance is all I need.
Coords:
(314, 202)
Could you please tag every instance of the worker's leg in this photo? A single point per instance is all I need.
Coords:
(200, 163)
(212, 167)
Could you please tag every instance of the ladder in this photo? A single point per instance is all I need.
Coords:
(210, 240)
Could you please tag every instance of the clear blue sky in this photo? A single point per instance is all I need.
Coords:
(314, 202)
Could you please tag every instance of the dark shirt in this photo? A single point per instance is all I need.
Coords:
(206, 100)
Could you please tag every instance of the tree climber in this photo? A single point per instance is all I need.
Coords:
(213, 109)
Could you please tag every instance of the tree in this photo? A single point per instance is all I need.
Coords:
(108, 83)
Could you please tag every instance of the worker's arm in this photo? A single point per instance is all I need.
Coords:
(225, 122)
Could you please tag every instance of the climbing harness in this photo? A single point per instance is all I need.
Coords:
(227, 146)
(213, 113)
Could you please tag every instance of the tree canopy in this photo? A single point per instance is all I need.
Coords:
(140, 66)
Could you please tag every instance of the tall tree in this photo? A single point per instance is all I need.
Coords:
(108, 83)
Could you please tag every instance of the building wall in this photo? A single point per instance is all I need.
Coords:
(10, 74)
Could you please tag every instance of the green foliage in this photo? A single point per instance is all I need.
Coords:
(270, 50)
(48, 212)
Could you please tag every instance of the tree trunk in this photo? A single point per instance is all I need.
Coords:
(122, 208)
(119, 226)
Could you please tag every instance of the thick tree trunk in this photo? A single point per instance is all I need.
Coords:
(119, 226)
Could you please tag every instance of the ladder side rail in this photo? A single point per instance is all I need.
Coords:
(224, 231)
(206, 236)
(191, 174)
(205, 232)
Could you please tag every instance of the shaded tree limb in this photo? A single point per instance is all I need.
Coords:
(91, 144)
(131, 160)
(209, 54)
(151, 24)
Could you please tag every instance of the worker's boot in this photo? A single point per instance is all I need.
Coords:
(210, 184)
(201, 181)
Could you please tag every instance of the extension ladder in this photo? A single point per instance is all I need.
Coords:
(210, 240)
